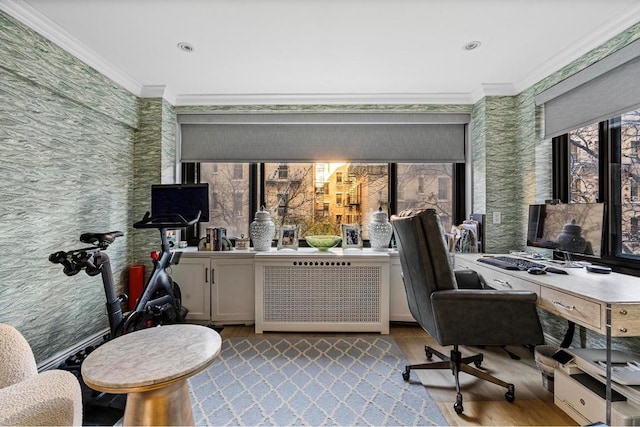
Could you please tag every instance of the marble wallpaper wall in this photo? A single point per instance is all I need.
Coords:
(66, 146)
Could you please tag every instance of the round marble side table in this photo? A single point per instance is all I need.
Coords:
(152, 366)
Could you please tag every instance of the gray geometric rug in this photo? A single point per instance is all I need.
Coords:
(310, 382)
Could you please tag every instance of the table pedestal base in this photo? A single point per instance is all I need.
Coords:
(165, 406)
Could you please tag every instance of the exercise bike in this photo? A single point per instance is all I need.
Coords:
(161, 300)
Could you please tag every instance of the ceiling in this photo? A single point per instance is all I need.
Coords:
(326, 51)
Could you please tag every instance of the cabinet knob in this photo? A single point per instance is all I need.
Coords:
(623, 312)
(623, 329)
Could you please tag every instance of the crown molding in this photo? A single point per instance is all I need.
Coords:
(493, 89)
(323, 99)
(158, 91)
(39, 23)
(586, 44)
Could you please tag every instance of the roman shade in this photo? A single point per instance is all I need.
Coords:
(603, 90)
(282, 137)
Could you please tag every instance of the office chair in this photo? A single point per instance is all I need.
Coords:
(452, 315)
(50, 398)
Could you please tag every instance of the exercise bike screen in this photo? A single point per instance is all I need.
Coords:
(182, 199)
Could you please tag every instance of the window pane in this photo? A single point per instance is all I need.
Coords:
(422, 186)
(583, 164)
(319, 197)
(629, 182)
(228, 196)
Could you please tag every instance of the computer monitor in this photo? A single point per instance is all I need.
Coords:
(182, 199)
(574, 228)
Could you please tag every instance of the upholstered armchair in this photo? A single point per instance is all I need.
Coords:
(456, 314)
(29, 398)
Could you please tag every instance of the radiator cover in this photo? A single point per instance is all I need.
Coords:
(319, 293)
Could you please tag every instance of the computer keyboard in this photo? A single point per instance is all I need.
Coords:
(510, 263)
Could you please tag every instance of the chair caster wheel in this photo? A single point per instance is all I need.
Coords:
(405, 374)
(428, 353)
(510, 395)
(458, 406)
(478, 363)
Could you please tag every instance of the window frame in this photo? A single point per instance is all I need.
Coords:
(609, 191)
(191, 174)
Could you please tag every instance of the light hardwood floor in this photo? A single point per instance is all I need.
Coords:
(484, 403)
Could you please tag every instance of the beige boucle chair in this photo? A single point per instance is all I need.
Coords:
(29, 398)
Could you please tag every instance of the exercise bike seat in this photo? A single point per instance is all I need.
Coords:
(100, 238)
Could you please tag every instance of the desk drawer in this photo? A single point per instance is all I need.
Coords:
(502, 281)
(571, 307)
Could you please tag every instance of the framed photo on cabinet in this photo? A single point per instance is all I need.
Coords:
(351, 236)
(288, 237)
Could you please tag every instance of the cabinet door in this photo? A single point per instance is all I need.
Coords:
(398, 306)
(233, 296)
(193, 276)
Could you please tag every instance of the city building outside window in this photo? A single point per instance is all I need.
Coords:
(319, 197)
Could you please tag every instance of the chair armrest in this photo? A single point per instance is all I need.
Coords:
(49, 398)
(486, 317)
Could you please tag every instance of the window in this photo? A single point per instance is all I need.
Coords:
(602, 165)
(319, 197)
(283, 172)
(229, 196)
(583, 164)
(426, 185)
(443, 188)
(237, 171)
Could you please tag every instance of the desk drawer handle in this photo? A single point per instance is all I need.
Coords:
(503, 282)
(623, 329)
(566, 307)
(623, 312)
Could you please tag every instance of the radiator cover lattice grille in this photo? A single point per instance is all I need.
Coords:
(346, 294)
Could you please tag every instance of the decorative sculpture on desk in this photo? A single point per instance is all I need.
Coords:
(262, 230)
(380, 231)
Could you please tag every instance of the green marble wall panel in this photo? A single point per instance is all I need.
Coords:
(502, 173)
(66, 143)
(479, 157)
(66, 170)
(28, 55)
(148, 154)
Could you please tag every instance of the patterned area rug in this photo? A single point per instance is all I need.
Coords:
(311, 382)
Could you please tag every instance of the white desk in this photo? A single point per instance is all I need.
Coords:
(606, 303)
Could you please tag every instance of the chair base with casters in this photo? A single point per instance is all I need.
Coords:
(458, 364)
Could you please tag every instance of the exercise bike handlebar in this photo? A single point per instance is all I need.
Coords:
(165, 221)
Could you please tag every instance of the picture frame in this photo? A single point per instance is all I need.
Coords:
(351, 236)
(288, 237)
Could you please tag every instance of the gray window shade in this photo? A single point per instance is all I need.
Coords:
(604, 90)
(317, 136)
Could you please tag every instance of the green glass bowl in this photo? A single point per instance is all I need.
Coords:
(323, 242)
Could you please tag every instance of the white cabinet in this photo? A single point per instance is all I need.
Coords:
(398, 306)
(233, 290)
(192, 275)
(217, 287)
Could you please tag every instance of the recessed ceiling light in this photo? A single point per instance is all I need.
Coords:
(185, 47)
(471, 45)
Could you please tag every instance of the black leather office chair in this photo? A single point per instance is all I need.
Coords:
(456, 316)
